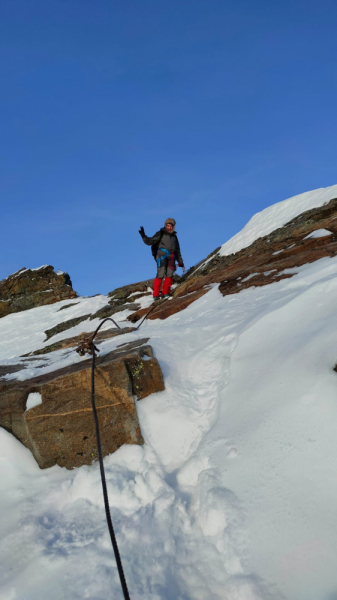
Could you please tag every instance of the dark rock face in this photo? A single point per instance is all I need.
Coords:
(108, 310)
(30, 288)
(72, 342)
(65, 325)
(166, 308)
(61, 429)
(68, 306)
(261, 263)
(124, 294)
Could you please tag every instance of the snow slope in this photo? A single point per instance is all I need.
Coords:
(232, 496)
(276, 216)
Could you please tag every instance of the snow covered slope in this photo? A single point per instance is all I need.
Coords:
(233, 495)
(276, 216)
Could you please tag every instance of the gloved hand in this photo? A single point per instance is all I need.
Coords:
(181, 264)
(142, 232)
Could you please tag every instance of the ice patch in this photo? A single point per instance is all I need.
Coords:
(249, 277)
(318, 233)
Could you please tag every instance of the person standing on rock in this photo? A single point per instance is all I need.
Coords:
(166, 251)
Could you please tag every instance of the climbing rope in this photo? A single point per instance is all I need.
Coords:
(87, 346)
(147, 314)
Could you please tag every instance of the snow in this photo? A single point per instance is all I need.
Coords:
(248, 277)
(34, 399)
(39, 268)
(233, 495)
(318, 233)
(276, 216)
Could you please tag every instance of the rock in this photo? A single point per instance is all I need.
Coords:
(29, 288)
(67, 306)
(61, 429)
(74, 341)
(169, 307)
(122, 294)
(65, 325)
(108, 310)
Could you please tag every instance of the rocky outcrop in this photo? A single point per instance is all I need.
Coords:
(29, 288)
(262, 263)
(108, 310)
(166, 308)
(130, 293)
(60, 430)
(74, 341)
(64, 326)
(133, 292)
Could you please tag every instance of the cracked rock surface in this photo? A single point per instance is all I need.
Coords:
(60, 430)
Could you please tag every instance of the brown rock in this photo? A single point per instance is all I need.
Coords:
(65, 325)
(167, 308)
(122, 294)
(75, 340)
(61, 429)
(30, 288)
(108, 310)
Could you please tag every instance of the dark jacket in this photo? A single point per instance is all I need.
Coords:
(166, 240)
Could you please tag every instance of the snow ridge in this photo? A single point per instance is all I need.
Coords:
(276, 216)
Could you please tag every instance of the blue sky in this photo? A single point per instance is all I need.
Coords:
(116, 114)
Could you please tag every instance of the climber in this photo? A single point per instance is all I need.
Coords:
(166, 251)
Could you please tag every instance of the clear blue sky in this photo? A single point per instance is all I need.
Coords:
(120, 113)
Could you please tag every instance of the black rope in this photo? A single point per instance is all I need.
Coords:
(87, 345)
(147, 314)
(102, 323)
(100, 456)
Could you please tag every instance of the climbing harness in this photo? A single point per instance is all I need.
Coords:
(166, 255)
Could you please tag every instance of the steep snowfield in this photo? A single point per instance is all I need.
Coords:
(232, 497)
(276, 216)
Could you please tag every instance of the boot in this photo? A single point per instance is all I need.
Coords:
(167, 284)
(156, 287)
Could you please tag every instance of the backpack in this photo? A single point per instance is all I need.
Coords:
(155, 246)
(154, 249)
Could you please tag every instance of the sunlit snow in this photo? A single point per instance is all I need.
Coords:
(276, 216)
(34, 399)
(318, 233)
(233, 495)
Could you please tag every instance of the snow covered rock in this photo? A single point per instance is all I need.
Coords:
(130, 292)
(60, 429)
(29, 288)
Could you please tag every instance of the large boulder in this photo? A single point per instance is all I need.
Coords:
(29, 288)
(60, 429)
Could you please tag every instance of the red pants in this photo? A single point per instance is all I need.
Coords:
(157, 284)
